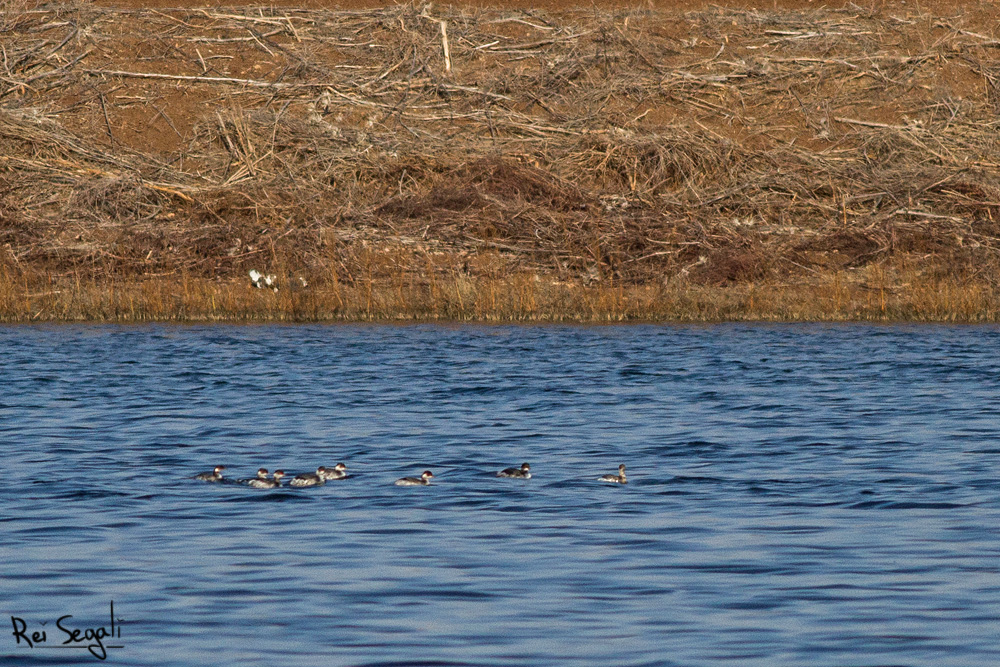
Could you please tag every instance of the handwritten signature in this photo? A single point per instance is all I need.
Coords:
(91, 639)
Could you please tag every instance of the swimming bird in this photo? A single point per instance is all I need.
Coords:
(615, 479)
(214, 476)
(309, 478)
(423, 480)
(265, 483)
(338, 471)
(524, 472)
(261, 474)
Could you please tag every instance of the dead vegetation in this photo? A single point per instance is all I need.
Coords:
(400, 149)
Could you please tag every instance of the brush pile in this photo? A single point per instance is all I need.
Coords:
(718, 147)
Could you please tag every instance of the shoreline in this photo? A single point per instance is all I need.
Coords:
(525, 300)
(461, 163)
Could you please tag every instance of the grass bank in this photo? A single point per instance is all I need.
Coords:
(442, 162)
(518, 298)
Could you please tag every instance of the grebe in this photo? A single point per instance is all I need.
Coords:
(261, 474)
(423, 480)
(338, 471)
(309, 478)
(524, 472)
(615, 479)
(275, 482)
(214, 476)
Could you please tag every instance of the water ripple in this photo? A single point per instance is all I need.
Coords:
(809, 494)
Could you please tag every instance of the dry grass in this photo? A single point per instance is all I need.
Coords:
(516, 298)
(596, 165)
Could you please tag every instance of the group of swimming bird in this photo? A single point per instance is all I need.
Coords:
(339, 471)
(262, 481)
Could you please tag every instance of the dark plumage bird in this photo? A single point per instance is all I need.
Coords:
(615, 479)
(265, 483)
(524, 472)
(423, 480)
(338, 471)
(214, 476)
(309, 478)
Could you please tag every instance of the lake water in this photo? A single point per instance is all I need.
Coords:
(798, 495)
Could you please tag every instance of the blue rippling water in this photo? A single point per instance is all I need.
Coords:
(821, 495)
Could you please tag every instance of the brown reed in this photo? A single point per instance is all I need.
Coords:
(596, 165)
(516, 298)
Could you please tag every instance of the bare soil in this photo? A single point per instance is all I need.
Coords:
(681, 145)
